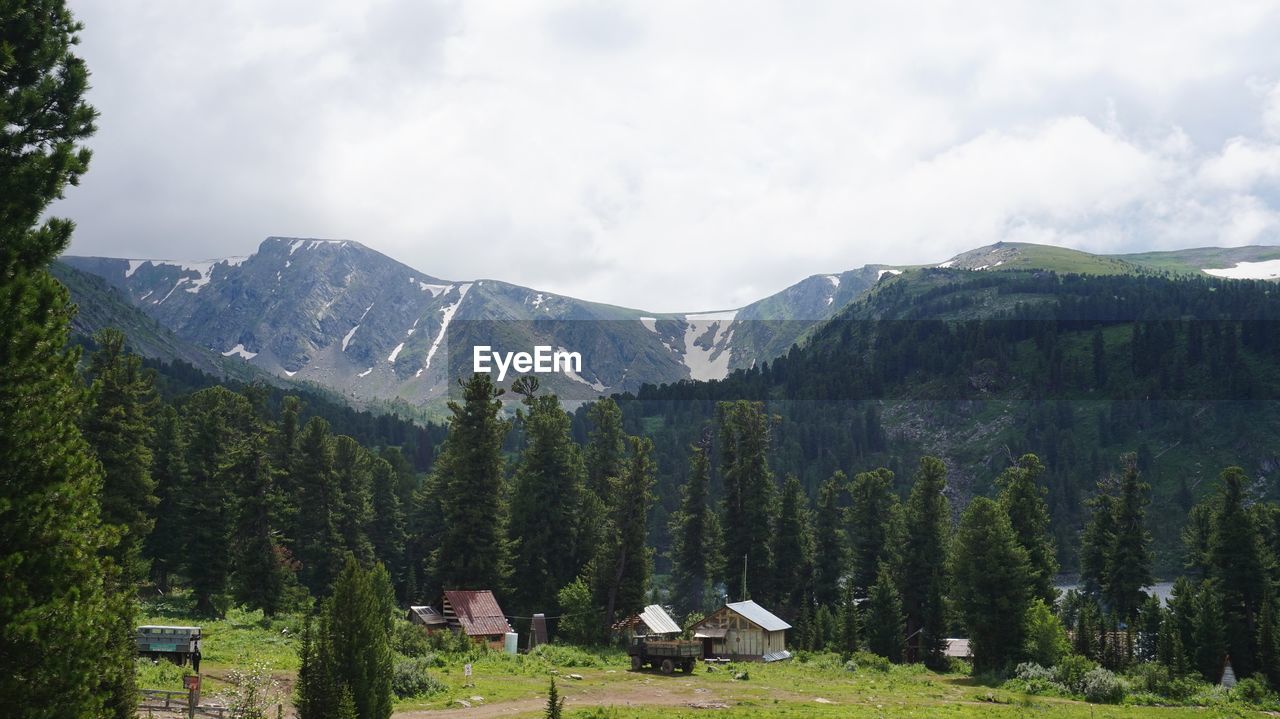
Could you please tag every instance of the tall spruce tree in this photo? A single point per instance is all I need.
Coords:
(830, 548)
(163, 547)
(1238, 570)
(55, 646)
(319, 542)
(471, 551)
(546, 498)
(993, 591)
(885, 621)
(922, 562)
(352, 466)
(1129, 557)
(387, 530)
(606, 449)
(261, 574)
(748, 497)
(624, 565)
(218, 421)
(792, 549)
(118, 426)
(1022, 498)
(692, 545)
(871, 516)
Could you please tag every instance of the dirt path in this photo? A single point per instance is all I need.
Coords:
(638, 694)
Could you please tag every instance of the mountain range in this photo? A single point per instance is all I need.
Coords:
(343, 316)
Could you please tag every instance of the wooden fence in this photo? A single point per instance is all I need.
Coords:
(170, 701)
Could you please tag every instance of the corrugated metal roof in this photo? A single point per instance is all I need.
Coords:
(478, 612)
(711, 633)
(957, 648)
(428, 615)
(658, 621)
(776, 656)
(759, 616)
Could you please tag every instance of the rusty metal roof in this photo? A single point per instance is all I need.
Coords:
(477, 611)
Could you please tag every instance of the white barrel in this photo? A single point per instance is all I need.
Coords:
(513, 641)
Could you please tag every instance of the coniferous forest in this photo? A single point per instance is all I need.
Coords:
(932, 464)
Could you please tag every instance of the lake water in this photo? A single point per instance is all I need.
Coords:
(1162, 590)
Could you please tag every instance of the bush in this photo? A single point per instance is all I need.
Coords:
(410, 639)
(562, 655)
(1030, 671)
(1046, 639)
(1253, 691)
(1101, 686)
(866, 661)
(1070, 672)
(410, 678)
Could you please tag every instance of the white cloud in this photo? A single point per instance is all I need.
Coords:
(677, 158)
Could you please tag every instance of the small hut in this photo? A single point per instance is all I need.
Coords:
(473, 613)
(743, 631)
(429, 617)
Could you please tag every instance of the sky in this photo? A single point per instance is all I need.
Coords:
(677, 156)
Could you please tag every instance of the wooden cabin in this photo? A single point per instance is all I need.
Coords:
(475, 613)
(743, 631)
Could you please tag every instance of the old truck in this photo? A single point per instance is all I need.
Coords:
(177, 644)
(666, 655)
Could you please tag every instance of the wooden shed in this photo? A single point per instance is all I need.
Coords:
(654, 621)
(472, 612)
(743, 631)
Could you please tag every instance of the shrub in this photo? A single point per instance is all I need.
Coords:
(562, 655)
(1046, 639)
(1030, 671)
(1253, 691)
(866, 661)
(410, 678)
(410, 639)
(1101, 686)
(1070, 672)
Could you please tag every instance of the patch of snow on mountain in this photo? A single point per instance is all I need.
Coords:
(650, 323)
(708, 362)
(979, 269)
(882, 273)
(149, 293)
(947, 264)
(240, 351)
(537, 301)
(444, 321)
(395, 353)
(830, 300)
(346, 340)
(293, 246)
(1264, 270)
(234, 261)
(290, 374)
(834, 280)
(568, 372)
(435, 290)
(366, 312)
(181, 281)
(412, 329)
(133, 267)
(365, 373)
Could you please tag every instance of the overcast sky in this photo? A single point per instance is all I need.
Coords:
(677, 155)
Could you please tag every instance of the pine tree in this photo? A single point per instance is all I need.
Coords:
(260, 575)
(792, 548)
(351, 464)
(992, 584)
(748, 496)
(546, 499)
(606, 449)
(57, 657)
(163, 547)
(319, 541)
(1240, 576)
(870, 520)
(1022, 498)
(218, 420)
(361, 612)
(830, 552)
(1269, 642)
(387, 531)
(1095, 544)
(555, 702)
(471, 550)
(885, 622)
(922, 568)
(118, 427)
(691, 543)
(1129, 557)
(850, 624)
(624, 564)
(1210, 636)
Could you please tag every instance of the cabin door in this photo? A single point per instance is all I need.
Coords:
(706, 648)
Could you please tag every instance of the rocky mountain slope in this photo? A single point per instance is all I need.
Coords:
(339, 314)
